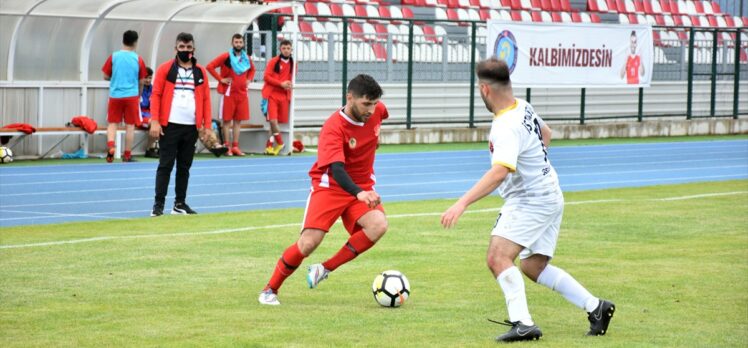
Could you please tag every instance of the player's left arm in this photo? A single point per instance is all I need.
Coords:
(487, 184)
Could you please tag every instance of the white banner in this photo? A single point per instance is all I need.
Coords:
(573, 55)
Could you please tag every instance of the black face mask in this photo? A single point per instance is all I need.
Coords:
(184, 56)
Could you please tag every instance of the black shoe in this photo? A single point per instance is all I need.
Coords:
(182, 209)
(519, 332)
(600, 318)
(151, 153)
(158, 209)
(218, 151)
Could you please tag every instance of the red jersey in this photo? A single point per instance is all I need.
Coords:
(273, 79)
(343, 139)
(632, 69)
(238, 82)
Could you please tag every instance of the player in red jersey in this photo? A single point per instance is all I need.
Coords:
(342, 187)
(633, 68)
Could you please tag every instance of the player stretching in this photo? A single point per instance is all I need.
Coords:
(529, 221)
(342, 186)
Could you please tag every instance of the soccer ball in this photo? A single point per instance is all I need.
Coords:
(6, 155)
(391, 288)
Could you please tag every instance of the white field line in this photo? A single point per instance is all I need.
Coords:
(267, 227)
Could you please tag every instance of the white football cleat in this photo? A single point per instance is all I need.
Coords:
(268, 297)
(317, 273)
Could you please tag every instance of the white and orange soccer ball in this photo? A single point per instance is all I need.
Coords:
(6, 155)
(391, 288)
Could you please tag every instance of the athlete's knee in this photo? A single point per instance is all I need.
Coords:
(498, 262)
(533, 266)
(309, 241)
(376, 228)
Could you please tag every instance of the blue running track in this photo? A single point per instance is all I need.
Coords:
(64, 193)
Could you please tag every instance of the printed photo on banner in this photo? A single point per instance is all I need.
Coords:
(573, 55)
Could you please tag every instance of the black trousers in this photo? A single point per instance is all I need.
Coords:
(177, 144)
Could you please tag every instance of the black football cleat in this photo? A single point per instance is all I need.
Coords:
(600, 318)
(519, 332)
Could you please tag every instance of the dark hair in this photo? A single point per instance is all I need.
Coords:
(185, 37)
(148, 72)
(493, 71)
(130, 37)
(365, 86)
(285, 42)
(633, 33)
(237, 36)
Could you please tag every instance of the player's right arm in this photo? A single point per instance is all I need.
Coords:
(107, 69)
(487, 184)
(270, 76)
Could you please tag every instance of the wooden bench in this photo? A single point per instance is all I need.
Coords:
(66, 132)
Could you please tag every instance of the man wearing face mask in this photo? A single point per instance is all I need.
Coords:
(180, 106)
(236, 71)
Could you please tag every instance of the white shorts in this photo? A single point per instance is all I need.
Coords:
(531, 222)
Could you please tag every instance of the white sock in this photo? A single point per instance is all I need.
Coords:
(558, 280)
(513, 285)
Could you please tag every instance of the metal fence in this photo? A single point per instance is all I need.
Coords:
(405, 54)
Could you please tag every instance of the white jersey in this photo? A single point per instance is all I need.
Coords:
(516, 142)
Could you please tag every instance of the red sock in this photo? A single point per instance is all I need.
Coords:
(278, 138)
(269, 143)
(128, 154)
(109, 144)
(227, 144)
(357, 244)
(287, 264)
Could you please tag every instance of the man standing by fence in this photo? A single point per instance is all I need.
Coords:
(237, 71)
(124, 70)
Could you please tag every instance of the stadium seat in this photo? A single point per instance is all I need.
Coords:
(307, 31)
(484, 14)
(536, 16)
(430, 34)
(546, 16)
(639, 6)
(566, 18)
(585, 17)
(576, 17)
(395, 13)
(348, 10)
(516, 16)
(452, 15)
(505, 15)
(556, 17)
(595, 18)
(407, 13)
(380, 52)
(647, 5)
(624, 19)
(336, 10)
(629, 6)
(310, 8)
(323, 10)
(715, 7)
(592, 6)
(473, 14)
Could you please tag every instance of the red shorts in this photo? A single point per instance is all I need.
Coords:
(324, 207)
(234, 107)
(127, 109)
(278, 110)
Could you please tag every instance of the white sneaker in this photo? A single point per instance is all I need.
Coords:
(316, 274)
(268, 297)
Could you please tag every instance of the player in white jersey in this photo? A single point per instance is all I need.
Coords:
(530, 219)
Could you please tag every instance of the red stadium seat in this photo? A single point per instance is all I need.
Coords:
(678, 21)
(484, 14)
(516, 5)
(311, 9)
(382, 32)
(659, 19)
(384, 12)
(556, 6)
(407, 13)
(357, 32)
(715, 7)
(536, 4)
(665, 5)
(575, 17)
(536, 16)
(430, 34)
(730, 22)
(380, 52)
(695, 21)
(633, 19)
(516, 16)
(621, 6)
(674, 7)
(648, 7)
(656, 38)
(699, 6)
(612, 7)
(595, 18)
(592, 6)
(336, 10)
(307, 31)
(452, 14)
(545, 5)
(639, 6)
(556, 17)
(360, 10)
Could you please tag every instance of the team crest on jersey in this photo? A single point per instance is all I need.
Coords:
(352, 143)
(490, 146)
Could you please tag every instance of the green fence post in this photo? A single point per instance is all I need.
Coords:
(274, 36)
(689, 101)
(528, 94)
(713, 95)
(471, 121)
(410, 75)
(736, 86)
(581, 111)
(641, 104)
(345, 58)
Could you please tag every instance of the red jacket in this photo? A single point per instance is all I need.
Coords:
(274, 79)
(163, 94)
(238, 82)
